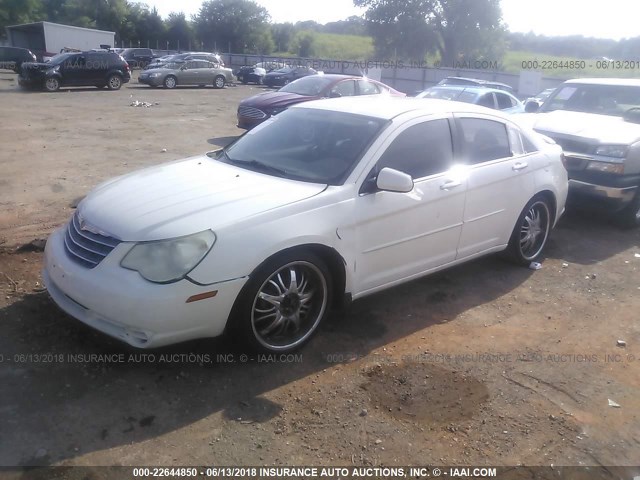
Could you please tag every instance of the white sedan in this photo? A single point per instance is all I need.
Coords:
(330, 200)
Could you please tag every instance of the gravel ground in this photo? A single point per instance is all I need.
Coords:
(485, 364)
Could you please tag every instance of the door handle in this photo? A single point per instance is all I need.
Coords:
(520, 166)
(451, 184)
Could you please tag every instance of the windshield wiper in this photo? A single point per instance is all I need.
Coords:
(258, 165)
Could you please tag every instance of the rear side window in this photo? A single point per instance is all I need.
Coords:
(367, 88)
(484, 140)
(421, 150)
(504, 101)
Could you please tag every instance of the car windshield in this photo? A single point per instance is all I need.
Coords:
(310, 86)
(60, 58)
(311, 145)
(601, 99)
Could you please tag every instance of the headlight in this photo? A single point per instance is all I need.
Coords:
(154, 75)
(616, 151)
(606, 167)
(167, 261)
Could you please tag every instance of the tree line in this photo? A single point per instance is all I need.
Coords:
(452, 31)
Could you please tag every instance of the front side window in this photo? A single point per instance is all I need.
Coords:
(484, 140)
(486, 100)
(504, 101)
(421, 150)
(346, 88)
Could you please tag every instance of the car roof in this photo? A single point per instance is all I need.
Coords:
(386, 107)
(477, 89)
(630, 82)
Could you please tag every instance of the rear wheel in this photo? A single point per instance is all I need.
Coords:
(114, 82)
(283, 303)
(170, 82)
(52, 84)
(219, 81)
(531, 232)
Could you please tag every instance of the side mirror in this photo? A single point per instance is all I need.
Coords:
(335, 95)
(390, 180)
(531, 106)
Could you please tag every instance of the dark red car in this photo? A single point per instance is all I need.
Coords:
(257, 109)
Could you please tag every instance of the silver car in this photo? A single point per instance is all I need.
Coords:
(191, 72)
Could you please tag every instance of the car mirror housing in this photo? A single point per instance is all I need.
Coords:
(531, 106)
(390, 180)
(335, 95)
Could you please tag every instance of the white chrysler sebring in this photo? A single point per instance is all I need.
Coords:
(328, 201)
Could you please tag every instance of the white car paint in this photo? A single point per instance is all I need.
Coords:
(382, 238)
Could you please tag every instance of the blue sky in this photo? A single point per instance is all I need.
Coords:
(611, 19)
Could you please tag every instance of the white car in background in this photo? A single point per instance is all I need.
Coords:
(330, 200)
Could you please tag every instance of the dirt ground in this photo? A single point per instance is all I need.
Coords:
(485, 364)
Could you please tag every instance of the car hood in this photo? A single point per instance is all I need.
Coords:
(186, 197)
(602, 129)
(36, 65)
(275, 100)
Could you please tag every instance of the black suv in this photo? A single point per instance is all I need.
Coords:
(99, 69)
(12, 58)
(138, 57)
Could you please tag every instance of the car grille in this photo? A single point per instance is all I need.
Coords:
(251, 112)
(85, 247)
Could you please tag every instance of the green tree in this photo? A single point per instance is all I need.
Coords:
(304, 44)
(15, 12)
(179, 31)
(283, 34)
(455, 29)
(235, 25)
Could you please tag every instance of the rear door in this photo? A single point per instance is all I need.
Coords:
(499, 181)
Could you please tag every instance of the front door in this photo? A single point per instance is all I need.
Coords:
(401, 235)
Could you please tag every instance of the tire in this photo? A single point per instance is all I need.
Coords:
(260, 81)
(629, 217)
(531, 232)
(114, 82)
(244, 80)
(170, 82)
(52, 84)
(283, 303)
(219, 82)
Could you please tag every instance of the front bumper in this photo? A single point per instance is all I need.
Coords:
(157, 81)
(608, 197)
(122, 304)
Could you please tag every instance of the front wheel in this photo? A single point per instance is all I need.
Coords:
(284, 302)
(219, 82)
(170, 82)
(531, 232)
(629, 217)
(52, 84)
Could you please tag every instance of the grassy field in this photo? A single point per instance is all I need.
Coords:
(355, 47)
(340, 47)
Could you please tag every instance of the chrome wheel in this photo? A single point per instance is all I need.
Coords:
(170, 82)
(219, 82)
(52, 84)
(289, 306)
(114, 82)
(534, 230)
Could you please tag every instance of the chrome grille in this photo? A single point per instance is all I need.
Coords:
(85, 247)
(251, 112)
